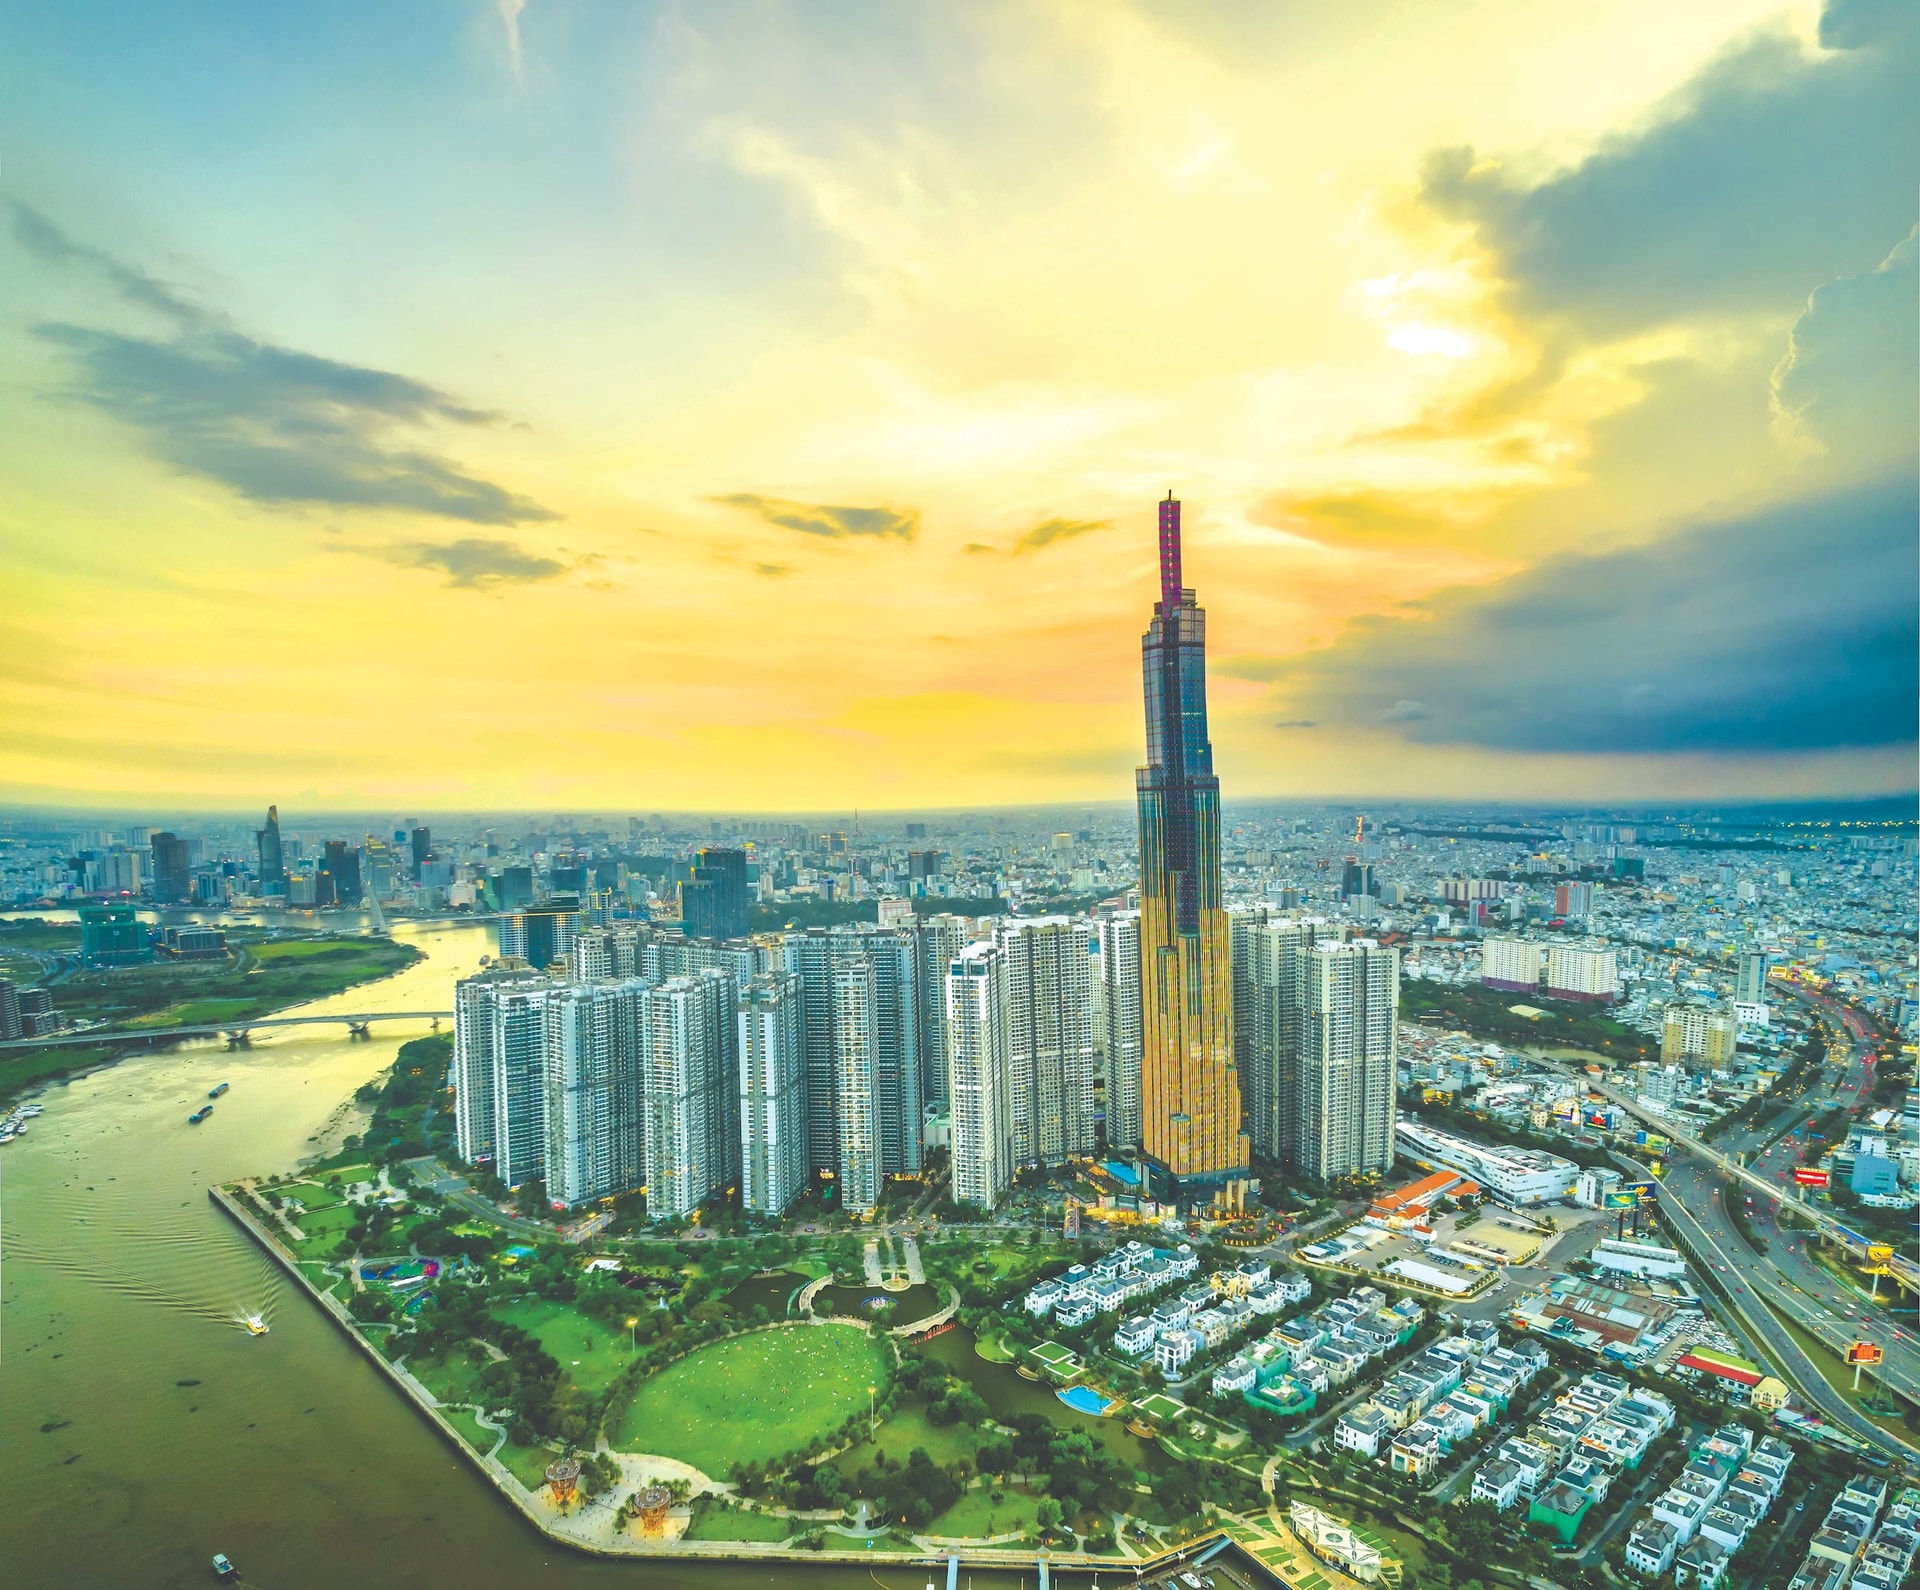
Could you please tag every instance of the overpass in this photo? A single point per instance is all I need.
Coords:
(354, 1021)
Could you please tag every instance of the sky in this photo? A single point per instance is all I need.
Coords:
(763, 407)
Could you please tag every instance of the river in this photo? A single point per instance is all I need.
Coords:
(142, 1429)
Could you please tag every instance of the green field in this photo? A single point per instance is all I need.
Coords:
(471, 1430)
(713, 1522)
(590, 1354)
(906, 1428)
(528, 1464)
(976, 1515)
(753, 1397)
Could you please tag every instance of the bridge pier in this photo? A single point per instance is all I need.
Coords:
(241, 1039)
(359, 1029)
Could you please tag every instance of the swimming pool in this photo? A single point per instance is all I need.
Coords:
(1084, 1399)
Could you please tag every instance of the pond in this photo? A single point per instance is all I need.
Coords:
(1007, 1395)
(771, 1292)
(894, 1308)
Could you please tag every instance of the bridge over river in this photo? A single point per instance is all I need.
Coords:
(357, 1022)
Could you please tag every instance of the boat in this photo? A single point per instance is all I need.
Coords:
(256, 1326)
(200, 1115)
(223, 1568)
(214, 1093)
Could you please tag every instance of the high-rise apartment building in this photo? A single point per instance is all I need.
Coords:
(689, 1034)
(773, 1094)
(1583, 973)
(273, 866)
(977, 1064)
(474, 1031)
(172, 867)
(1117, 1025)
(941, 938)
(1191, 1129)
(1700, 1035)
(517, 1046)
(1573, 900)
(856, 1081)
(1344, 1105)
(1270, 982)
(1751, 986)
(605, 954)
(593, 1087)
(1046, 976)
(1356, 879)
(1510, 965)
(339, 876)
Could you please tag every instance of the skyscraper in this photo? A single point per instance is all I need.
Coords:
(1047, 1003)
(475, 1030)
(1117, 1028)
(1269, 985)
(1751, 988)
(593, 1082)
(172, 870)
(688, 1039)
(342, 866)
(273, 866)
(856, 1057)
(541, 934)
(942, 937)
(517, 1048)
(977, 1061)
(713, 903)
(422, 849)
(1343, 1104)
(1190, 1123)
(773, 1094)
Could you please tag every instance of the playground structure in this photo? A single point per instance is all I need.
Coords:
(563, 1479)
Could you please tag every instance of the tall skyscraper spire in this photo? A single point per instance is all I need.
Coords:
(1190, 1107)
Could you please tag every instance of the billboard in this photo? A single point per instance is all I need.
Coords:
(1653, 1142)
(1622, 1198)
(1879, 1253)
(1599, 1118)
(1810, 1178)
(1864, 1353)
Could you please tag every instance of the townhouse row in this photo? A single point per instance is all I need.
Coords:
(1458, 1387)
(1695, 1526)
(1848, 1550)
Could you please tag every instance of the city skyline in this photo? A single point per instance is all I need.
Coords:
(815, 432)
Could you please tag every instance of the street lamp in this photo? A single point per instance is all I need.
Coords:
(870, 1414)
(633, 1345)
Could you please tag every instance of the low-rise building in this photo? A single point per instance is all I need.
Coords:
(1651, 1547)
(1497, 1481)
(1361, 1430)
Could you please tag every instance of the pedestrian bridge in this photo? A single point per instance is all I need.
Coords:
(355, 1021)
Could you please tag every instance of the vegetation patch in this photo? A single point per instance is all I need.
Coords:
(751, 1397)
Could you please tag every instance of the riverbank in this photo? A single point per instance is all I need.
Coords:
(573, 1530)
(257, 980)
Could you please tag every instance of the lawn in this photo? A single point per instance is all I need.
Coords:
(995, 1350)
(471, 1430)
(906, 1428)
(976, 1515)
(590, 1354)
(196, 1013)
(298, 949)
(324, 1230)
(450, 1377)
(528, 1464)
(753, 1397)
(713, 1522)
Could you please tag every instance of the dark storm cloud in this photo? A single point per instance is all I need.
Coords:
(1793, 629)
(477, 564)
(274, 424)
(834, 522)
(1052, 530)
(1774, 170)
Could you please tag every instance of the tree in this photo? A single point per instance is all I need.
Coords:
(1048, 1514)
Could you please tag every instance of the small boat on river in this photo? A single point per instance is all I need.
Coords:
(200, 1115)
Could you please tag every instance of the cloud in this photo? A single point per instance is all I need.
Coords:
(824, 519)
(1052, 530)
(773, 571)
(509, 11)
(1850, 371)
(973, 548)
(1251, 665)
(1792, 629)
(1376, 517)
(272, 423)
(477, 564)
(1773, 170)
(1296, 723)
